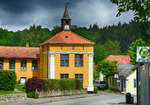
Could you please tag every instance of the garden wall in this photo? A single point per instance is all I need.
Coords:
(62, 93)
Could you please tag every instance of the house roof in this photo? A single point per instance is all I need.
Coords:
(67, 37)
(19, 52)
(119, 58)
(124, 69)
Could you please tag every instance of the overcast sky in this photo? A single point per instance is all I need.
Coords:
(20, 14)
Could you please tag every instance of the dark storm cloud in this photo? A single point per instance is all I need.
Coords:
(21, 6)
(20, 14)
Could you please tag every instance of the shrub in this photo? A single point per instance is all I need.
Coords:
(7, 80)
(95, 90)
(35, 84)
(106, 88)
(33, 95)
(62, 84)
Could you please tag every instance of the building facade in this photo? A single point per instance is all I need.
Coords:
(124, 79)
(65, 55)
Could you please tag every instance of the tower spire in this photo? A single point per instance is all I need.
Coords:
(66, 14)
(66, 20)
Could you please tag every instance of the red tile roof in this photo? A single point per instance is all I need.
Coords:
(67, 37)
(19, 52)
(119, 58)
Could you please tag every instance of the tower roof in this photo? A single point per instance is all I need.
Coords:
(66, 14)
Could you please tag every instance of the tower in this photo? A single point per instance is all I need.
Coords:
(66, 21)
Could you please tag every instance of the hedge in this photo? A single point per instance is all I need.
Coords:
(35, 84)
(7, 80)
(62, 84)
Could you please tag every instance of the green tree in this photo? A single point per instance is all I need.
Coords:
(96, 74)
(133, 48)
(99, 53)
(112, 47)
(141, 8)
(107, 67)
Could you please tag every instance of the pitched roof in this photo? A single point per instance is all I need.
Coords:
(124, 69)
(119, 58)
(19, 52)
(67, 37)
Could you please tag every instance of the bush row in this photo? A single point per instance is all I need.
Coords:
(7, 80)
(35, 84)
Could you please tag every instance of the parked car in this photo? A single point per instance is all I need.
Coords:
(99, 84)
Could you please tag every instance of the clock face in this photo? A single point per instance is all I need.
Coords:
(67, 27)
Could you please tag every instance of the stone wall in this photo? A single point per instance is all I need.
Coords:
(62, 93)
(12, 97)
(22, 96)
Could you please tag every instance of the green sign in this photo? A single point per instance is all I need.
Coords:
(143, 54)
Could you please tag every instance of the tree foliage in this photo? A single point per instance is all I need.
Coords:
(107, 67)
(132, 50)
(99, 53)
(141, 8)
(112, 47)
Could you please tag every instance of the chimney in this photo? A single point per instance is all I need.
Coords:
(27, 44)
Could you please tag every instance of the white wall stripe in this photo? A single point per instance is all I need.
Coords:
(52, 66)
(90, 87)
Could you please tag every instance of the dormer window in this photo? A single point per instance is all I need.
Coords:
(66, 37)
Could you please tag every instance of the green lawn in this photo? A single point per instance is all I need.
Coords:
(20, 87)
(7, 92)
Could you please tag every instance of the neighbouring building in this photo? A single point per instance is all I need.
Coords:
(65, 55)
(124, 79)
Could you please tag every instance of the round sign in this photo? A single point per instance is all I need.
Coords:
(144, 52)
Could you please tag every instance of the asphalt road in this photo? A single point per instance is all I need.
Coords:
(104, 99)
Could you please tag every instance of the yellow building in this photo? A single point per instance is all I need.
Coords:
(125, 79)
(65, 55)
(25, 61)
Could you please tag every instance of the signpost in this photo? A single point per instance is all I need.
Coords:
(143, 76)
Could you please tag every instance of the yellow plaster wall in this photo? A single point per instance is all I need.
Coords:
(28, 73)
(130, 83)
(71, 69)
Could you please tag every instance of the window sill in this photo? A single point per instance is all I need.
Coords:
(23, 69)
(79, 66)
(34, 70)
(64, 66)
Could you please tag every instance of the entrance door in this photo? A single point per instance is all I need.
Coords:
(23, 80)
(80, 76)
